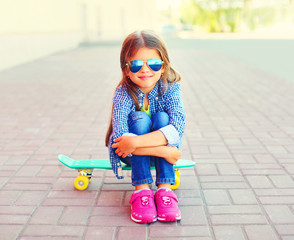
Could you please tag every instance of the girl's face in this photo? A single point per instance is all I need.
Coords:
(145, 78)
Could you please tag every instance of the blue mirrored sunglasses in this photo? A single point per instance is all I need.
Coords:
(154, 64)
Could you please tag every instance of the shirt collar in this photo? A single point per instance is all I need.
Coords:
(152, 94)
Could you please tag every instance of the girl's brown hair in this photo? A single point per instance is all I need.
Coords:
(130, 46)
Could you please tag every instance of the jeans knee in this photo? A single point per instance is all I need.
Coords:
(139, 123)
(159, 120)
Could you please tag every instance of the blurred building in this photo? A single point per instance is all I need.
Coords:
(30, 29)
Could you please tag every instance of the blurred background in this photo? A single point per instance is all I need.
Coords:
(31, 29)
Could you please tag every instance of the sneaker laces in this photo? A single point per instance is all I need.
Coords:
(145, 201)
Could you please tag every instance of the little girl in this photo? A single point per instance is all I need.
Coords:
(147, 125)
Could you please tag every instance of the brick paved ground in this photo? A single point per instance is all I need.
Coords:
(240, 132)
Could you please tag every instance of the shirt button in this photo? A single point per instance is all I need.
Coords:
(140, 105)
(141, 94)
(156, 98)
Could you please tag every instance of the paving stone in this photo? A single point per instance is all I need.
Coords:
(48, 238)
(259, 182)
(280, 214)
(68, 202)
(17, 210)
(9, 232)
(112, 221)
(31, 198)
(243, 196)
(72, 194)
(190, 201)
(287, 237)
(224, 185)
(264, 158)
(228, 233)
(111, 211)
(9, 197)
(235, 209)
(110, 198)
(277, 200)
(260, 232)
(206, 169)
(26, 186)
(180, 231)
(53, 231)
(274, 192)
(14, 219)
(282, 181)
(99, 233)
(193, 215)
(228, 169)
(46, 215)
(244, 158)
(189, 182)
(238, 219)
(132, 233)
(216, 197)
(287, 229)
(49, 171)
(27, 171)
(74, 216)
(263, 172)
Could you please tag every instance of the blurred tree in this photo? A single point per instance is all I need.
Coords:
(229, 15)
(211, 15)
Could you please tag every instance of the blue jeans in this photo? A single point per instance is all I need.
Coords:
(140, 123)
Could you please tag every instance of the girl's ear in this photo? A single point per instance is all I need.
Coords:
(162, 68)
(127, 72)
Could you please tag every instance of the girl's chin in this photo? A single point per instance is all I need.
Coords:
(146, 88)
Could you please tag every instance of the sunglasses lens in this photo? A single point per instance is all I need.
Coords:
(155, 64)
(136, 65)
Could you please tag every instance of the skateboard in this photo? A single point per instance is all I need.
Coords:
(85, 169)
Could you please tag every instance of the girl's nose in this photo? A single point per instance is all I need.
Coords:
(145, 67)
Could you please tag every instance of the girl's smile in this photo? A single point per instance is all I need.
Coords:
(145, 78)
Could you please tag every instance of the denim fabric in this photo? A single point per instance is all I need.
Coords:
(140, 123)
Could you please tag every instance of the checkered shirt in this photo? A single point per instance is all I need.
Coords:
(160, 100)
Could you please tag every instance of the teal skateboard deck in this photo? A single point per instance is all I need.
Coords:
(85, 168)
(105, 163)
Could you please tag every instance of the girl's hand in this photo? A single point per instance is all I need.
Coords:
(124, 145)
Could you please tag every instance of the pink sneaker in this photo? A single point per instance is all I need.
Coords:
(167, 207)
(143, 207)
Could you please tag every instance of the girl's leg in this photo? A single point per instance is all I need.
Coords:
(143, 209)
(139, 123)
(166, 200)
(165, 174)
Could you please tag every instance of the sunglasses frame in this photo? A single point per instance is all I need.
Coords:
(150, 66)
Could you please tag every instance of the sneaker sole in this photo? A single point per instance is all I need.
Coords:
(169, 219)
(141, 221)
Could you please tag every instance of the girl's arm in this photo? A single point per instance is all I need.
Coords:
(170, 154)
(128, 144)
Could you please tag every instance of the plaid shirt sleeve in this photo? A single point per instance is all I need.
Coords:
(121, 110)
(122, 105)
(175, 109)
